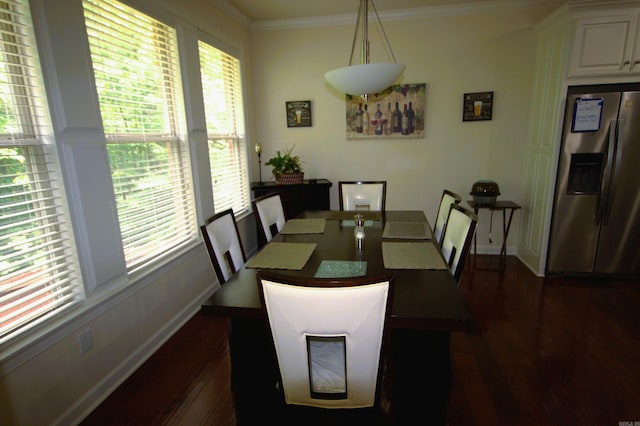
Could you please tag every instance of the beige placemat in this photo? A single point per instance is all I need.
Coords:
(303, 226)
(408, 230)
(412, 255)
(347, 214)
(276, 255)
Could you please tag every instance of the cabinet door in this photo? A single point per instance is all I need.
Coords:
(604, 46)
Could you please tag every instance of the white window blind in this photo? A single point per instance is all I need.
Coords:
(38, 271)
(222, 93)
(137, 77)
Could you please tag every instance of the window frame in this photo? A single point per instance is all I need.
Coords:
(240, 139)
(53, 272)
(174, 136)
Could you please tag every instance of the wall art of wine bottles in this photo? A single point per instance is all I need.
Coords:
(397, 112)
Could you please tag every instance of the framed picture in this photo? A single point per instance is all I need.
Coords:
(396, 113)
(477, 106)
(298, 113)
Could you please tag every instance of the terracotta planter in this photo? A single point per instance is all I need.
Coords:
(290, 178)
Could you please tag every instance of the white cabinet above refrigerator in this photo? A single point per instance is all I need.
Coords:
(607, 45)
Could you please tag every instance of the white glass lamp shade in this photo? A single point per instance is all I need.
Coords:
(365, 79)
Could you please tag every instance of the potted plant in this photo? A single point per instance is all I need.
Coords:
(287, 168)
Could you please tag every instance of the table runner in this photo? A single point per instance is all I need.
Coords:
(276, 255)
(412, 255)
(408, 230)
(303, 226)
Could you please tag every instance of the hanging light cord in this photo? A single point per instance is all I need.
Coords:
(491, 227)
(355, 33)
(383, 32)
(365, 36)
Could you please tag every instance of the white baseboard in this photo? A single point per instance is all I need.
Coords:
(493, 250)
(92, 399)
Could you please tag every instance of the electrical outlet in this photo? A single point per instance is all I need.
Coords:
(85, 341)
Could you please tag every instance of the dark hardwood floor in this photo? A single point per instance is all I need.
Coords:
(545, 352)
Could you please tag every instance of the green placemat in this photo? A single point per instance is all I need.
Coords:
(412, 255)
(408, 230)
(303, 226)
(341, 269)
(276, 255)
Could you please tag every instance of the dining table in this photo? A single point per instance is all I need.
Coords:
(427, 305)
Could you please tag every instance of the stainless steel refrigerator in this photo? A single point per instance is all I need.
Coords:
(595, 227)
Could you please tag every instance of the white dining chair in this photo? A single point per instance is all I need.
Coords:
(362, 195)
(446, 200)
(221, 237)
(328, 337)
(458, 234)
(269, 215)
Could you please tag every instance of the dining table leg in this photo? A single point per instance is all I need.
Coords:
(254, 372)
(421, 371)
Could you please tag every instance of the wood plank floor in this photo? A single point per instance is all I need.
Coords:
(545, 352)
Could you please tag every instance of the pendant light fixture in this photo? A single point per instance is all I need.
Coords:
(365, 78)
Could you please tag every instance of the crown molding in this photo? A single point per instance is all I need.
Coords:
(233, 11)
(470, 8)
(587, 6)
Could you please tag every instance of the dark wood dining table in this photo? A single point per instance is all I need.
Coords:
(427, 307)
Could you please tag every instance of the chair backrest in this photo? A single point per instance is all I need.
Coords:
(328, 336)
(223, 244)
(269, 215)
(362, 195)
(458, 234)
(447, 199)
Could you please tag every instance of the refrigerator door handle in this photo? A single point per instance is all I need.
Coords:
(603, 196)
(613, 161)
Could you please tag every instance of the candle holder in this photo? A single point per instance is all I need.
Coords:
(358, 231)
(259, 152)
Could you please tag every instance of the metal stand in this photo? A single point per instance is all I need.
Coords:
(258, 148)
(506, 224)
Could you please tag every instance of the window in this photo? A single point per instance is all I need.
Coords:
(222, 92)
(39, 277)
(136, 69)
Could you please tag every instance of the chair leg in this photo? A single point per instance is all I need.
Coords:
(254, 372)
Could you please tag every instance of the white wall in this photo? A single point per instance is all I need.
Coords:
(453, 55)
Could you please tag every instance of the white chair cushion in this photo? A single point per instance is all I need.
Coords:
(223, 236)
(366, 196)
(271, 211)
(443, 213)
(455, 235)
(297, 312)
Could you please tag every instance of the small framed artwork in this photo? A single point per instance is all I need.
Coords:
(477, 106)
(298, 113)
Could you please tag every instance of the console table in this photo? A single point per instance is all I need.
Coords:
(311, 194)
